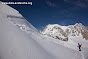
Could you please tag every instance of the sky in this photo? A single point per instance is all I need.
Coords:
(62, 12)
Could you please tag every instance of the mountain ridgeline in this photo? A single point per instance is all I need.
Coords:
(63, 32)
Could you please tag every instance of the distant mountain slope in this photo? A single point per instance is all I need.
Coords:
(63, 32)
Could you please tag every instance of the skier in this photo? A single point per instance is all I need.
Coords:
(79, 45)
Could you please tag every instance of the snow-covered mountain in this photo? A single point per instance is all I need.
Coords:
(63, 32)
(20, 40)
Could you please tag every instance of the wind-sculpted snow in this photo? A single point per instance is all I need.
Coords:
(12, 16)
(20, 40)
(14, 19)
(21, 23)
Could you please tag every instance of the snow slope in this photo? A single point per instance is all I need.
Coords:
(20, 40)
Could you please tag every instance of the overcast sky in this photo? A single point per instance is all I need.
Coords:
(62, 12)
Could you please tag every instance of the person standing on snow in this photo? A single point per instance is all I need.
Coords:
(79, 45)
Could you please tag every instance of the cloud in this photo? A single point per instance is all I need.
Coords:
(49, 3)
(86, 0)
(66, 0)
(79, 3)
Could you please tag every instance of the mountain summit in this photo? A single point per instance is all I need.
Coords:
(63, 32)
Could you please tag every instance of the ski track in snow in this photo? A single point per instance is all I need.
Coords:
(82, 56)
